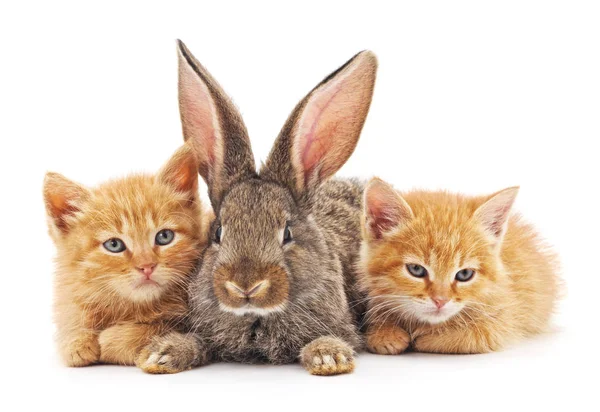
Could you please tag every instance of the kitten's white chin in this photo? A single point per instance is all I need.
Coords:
(145, 291)
(434, 318)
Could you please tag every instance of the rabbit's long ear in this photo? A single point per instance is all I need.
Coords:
(322, 131)
(213, 126)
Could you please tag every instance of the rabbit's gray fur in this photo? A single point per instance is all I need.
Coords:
(326, 245)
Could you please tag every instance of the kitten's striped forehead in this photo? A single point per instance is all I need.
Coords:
(449, 252)
(136, 204)
(442, 235)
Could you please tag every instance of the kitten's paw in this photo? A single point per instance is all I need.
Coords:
(387, 339)
(172, 353)
(121, 344)
(83, 350)
(327, 356)
(428, 343)
(463, 342)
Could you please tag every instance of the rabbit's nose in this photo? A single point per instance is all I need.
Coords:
(256, 289)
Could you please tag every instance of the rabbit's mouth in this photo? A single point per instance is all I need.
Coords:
(259, 292)
(253, 310)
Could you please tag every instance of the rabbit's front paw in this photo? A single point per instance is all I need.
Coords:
(387, 339)
(171, 353)
(82, 350)
(327, 356)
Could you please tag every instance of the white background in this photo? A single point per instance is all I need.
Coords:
(471, 96)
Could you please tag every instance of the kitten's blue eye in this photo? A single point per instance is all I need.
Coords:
(218, 233)
(164, 237)
(417, 271)
(114, 245)
(464, 275)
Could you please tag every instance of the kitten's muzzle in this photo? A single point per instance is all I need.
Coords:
(440, 301)
(146, 269)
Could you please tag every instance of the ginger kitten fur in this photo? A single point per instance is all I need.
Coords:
(447, 273)
(125, 250)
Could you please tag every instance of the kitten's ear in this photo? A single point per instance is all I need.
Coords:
(181, 172)
(323, 130)
(494, 212)
(63, 198)
(213, 126)
(383, 209)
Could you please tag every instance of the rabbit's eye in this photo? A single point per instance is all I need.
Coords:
(218, 234)
(464, 275)
(114, 245)
(417, 271)
(287, 234)
(164, 237)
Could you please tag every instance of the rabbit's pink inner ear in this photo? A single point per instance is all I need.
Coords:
(331, 120)
(385, 210)
(181, 171)
(199, 117)
(493, 214)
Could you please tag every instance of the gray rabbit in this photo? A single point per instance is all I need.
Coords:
(277, 280)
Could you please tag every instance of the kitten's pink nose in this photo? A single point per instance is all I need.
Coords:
(440, 301)
(147, 269)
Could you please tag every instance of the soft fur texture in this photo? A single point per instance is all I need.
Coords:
(106, 310)
(258, 297)
(511, 295)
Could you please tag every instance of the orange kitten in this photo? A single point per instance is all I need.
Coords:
(452, 274)
(124, 252)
